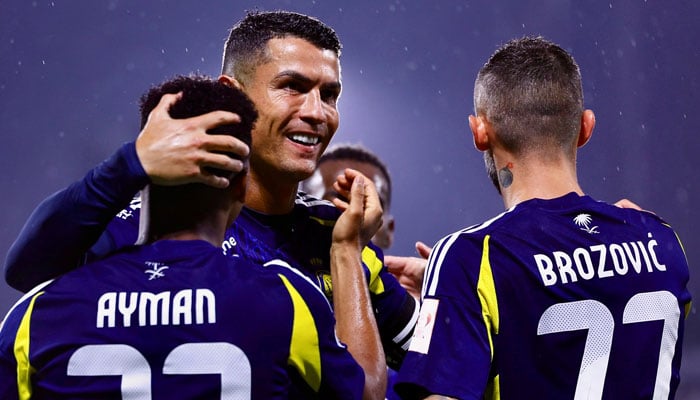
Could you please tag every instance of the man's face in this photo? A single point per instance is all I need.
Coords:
(321, 185)
(295, 92)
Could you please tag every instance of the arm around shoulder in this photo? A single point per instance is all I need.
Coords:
(64, 226)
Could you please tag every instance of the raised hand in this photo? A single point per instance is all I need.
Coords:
(177, 151)
(409, 271)
(364, 208)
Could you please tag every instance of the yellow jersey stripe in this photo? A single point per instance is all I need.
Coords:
(21, 350)
(372, 261)
(323, 222)
(304, 353)
(487, 294)
(486, 290)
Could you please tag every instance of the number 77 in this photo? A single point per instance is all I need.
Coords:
(596, 317)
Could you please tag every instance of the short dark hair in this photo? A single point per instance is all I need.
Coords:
(172, 208)
(247, 42)
(530, 91)
(200, 95)
(357, 152)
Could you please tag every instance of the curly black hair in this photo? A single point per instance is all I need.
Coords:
(200, 95)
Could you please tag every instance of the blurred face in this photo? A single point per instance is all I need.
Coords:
(295, 92)
(321, 185)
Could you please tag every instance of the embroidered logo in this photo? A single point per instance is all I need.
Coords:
(584, 221)
(156, 270)
(129, 211)
(325, 283)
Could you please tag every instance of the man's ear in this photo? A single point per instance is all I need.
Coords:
(239, 185)
(230, 81)
(587, 125)
(479, 127)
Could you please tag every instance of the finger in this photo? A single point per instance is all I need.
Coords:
(226, 143)
(341, 190)
(343, 183)
(222, 161)
(357, 195)
(423, 249)
(341, 204)
(215, 118)
(161, 110)
(352, 174)
(373, 206)
(214, 181)
(394, 263)
(624, 203)
(371, 195)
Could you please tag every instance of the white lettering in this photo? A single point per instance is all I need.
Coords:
(228, 244)
(581, 263)
(127, 309)
(636, 258)
(182, 308)
(148, 308)
(659, 266)
(564, 265)
(589, 271)
(182, 305)
(602, 273)
(105, 310)
(207, 295)
(619, 261)
(546, 268)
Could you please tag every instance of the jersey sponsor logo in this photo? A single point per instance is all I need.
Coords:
(156, 270)
(584, 222)
(325, 283)
(423, 333)
(185, 307)
(599, 261)
(229, 246)
(128, 212)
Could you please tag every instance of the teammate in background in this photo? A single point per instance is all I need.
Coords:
(561, 296)
(172, 318)
(408, 270)
(333, 163)
(288, 64)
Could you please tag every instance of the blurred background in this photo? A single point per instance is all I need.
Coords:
(71, 73)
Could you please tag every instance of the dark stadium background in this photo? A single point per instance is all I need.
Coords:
(71, 71)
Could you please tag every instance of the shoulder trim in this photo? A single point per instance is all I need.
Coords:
(311, 201)
(286, 266)
(21, 351)
(304, 352)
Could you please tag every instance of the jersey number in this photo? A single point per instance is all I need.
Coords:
(122, 360)
(597, 319)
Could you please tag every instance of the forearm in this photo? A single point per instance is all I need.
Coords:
(64, 226)
(355, 321)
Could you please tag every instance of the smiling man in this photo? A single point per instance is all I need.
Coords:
(288, 64)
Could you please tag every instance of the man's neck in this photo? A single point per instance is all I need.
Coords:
(270, 196)
(532, 180)
(210, 230)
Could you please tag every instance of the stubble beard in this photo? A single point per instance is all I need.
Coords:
(491, 171)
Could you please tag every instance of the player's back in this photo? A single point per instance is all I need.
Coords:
(170, 320)
(303, 239)
(586, 300)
